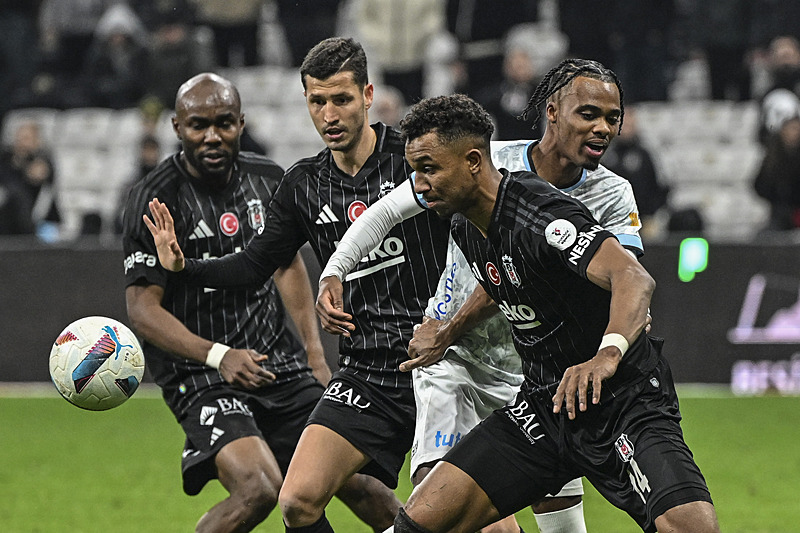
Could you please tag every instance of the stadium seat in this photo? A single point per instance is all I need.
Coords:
(44, 116)
(84, 127)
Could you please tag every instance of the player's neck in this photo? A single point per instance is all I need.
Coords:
(480, 213)
(351, 161)
(554, 167)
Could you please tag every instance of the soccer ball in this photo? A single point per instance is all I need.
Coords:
(96, 363)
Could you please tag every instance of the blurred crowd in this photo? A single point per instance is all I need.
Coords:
(123, 54)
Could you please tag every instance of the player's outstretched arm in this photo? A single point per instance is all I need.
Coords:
(295, 288)
(161, 328)
(360, 239)
(631, 289)
(162, 228)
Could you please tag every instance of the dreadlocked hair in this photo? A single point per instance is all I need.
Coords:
(561, 75)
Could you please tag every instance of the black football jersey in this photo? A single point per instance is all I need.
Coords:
(533, 264)
(387, 293)
(210, 223)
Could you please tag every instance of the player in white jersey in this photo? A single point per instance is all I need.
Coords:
(479, 370)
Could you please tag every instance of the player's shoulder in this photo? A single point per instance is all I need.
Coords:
(253, 163)
(512, 155)
(162, 182)
(309, 167)
(389, 139)
(608, 177)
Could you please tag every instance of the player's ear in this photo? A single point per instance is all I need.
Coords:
(369, 94)
(551, 112)
(175, 128)
(474, 160)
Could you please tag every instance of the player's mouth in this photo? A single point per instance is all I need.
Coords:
(214, 158)
(334, 134)
(596, 149)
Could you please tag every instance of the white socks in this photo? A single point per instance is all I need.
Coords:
(568, 520)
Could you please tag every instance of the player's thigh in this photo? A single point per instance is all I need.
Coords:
(282, 415)
(247, 467)
(322, 463)
(448, 499)
(513, 458)
(446, 411)
(377, 421)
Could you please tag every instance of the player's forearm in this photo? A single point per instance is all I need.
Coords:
(631, 291)
(478, 307)
(161, 328)
(369, 229)
(233, 271)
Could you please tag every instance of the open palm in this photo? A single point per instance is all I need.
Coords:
(163, 230)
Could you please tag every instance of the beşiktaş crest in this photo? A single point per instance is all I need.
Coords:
(255, 214)
(511, 272)
(386, 188)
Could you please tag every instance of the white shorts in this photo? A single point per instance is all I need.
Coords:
(452, 398)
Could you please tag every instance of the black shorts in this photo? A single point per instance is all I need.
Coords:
(277, 414)
(379, 421)
(631, 449)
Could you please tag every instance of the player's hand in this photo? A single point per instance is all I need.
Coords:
(241, 368)
(162, 228)
(428, 345)
(329, 307)
(577, 379)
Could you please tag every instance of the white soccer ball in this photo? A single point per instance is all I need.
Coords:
(96, 363)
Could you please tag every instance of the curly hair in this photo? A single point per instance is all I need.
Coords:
(334, 55)
(561, 75)
(452, 117)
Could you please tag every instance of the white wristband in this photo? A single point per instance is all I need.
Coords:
(614, 339)
(215, 355)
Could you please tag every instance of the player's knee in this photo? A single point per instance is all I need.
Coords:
(255, 494)
(404, 524)
(299, 507)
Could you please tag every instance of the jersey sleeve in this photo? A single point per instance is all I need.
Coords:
(370, 228)
(623, 220)
(572, 236)
(141, 258)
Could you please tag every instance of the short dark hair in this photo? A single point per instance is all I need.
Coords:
(563, 73)
(334, 55)
(452, 117)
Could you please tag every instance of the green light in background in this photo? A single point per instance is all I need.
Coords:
(692, 258)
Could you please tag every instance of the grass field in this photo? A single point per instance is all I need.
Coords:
(64, 469)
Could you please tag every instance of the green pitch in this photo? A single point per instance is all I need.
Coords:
(64, 469)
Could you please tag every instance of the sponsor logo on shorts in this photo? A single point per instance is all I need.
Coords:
(447, 440)
(521, 413)
(338, 392)
(624, 448)
(207, 414)
(216, 433)
(231, 406)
